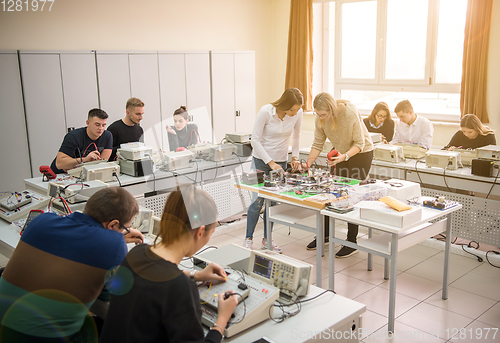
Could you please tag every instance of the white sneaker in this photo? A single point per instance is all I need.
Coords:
(276, 248)
(248, 243)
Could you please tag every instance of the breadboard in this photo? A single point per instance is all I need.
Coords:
(258, 298)
(37, 202)
(478, 219)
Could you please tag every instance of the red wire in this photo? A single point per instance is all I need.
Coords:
(191, 139)
(95, 146)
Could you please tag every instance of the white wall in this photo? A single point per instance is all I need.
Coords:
(167, 25)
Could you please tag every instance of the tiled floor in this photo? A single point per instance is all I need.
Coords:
(473, 304)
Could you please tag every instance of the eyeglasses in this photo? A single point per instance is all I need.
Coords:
(322, 116)
(381, 116)
(125, 228)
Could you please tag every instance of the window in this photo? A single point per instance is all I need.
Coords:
(390, 50)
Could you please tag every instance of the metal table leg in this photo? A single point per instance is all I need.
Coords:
(447, 257)
(320, 247)
(392, 282)
(268, 226)
(331, 255)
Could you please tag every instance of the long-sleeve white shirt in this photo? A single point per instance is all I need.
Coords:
(271, 135)
(419, 132)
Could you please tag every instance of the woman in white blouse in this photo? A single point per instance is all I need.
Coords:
(274, 125)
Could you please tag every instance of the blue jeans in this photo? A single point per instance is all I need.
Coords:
(257, 202)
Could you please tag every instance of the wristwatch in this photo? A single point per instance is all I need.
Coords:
(191, 275)
(346, 157)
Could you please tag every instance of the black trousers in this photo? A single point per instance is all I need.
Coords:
(358, 168)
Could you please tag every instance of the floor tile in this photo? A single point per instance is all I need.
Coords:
(224, 240)
(457, 261)
(479, 284)
(350, 287)
(413, 286)
(359, 271)
(298, 250)
(421, 251)
(377, 300)
(324, 275)
(486, 269)
(402, 334)
(434, 320)
(462, 302)
(492, 316)
(404, 262)
(296, 233)
(433, 271)
(370, 323)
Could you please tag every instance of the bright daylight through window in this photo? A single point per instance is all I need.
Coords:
(391, 50)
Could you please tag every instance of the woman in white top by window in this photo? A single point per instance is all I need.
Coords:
(274, 125)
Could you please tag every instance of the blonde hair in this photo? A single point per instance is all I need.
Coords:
(133, 103)
(289, 98)
(325, 102)
(470, 121)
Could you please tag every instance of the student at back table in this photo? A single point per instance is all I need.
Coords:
(472, 134)
(412, 128)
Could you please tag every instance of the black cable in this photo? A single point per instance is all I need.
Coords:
(244, 308)
(479, 258)
(444, 178)
(493, 185)
(119, 182)
(216, 170)
(418, 174)
(496, 253)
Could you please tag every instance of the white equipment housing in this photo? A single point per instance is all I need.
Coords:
(134, 151)
(376, 137)
(290, 275)
(414, 151)
(201, 149)
(467, 155)
(490, 152)
(178, 159)
(143, 221)
(221, 152)
(75, 192)
(239, 137)
(102, 171)
(443, 159)
(388, 153)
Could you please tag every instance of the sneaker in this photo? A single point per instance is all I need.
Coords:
(346, 252)
(276, 248)
(312, 245)
(248, 243)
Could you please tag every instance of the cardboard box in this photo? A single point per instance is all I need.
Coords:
(392, 217)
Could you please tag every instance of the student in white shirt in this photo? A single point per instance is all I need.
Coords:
(412, 128)
(274, 125)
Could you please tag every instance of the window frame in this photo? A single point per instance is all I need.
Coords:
(379, 83)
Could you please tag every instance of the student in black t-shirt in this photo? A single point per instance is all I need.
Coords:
(90, 143)
(380, 121)
(128, 130)
(472, 134)
(183, 133)
(152, 299)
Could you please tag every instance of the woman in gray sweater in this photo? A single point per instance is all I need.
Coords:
(341, 123)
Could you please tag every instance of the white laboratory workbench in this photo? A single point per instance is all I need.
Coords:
(391, 241)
